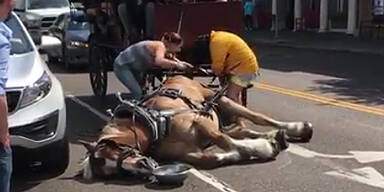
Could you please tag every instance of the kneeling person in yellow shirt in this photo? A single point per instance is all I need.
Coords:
(232, 60)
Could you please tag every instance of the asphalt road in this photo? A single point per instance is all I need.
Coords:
(340, 93)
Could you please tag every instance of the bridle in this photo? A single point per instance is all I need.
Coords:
(147, 164)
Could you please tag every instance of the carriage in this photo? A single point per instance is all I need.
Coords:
(110, 32)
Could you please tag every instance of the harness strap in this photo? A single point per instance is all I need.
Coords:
(171, 93)
(208, 105)
(138, 172)
(159, 121)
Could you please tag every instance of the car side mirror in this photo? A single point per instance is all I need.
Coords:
(36, 36)
(49, 42)
(55, 29)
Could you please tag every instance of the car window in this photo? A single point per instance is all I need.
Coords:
(20, 5)
(59, 22)
(41, 4)
(76, 25)
(19, 41)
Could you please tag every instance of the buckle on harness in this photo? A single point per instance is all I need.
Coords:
(172, 93)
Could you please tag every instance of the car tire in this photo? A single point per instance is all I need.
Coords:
(66, 62)
(52, 60)
(56, 158)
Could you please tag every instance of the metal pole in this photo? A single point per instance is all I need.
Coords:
(277, 20)
(180, 21)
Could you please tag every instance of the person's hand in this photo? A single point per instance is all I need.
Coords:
(184, 66)
(4, 141)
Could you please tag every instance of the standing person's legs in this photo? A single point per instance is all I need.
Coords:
(234, 93)
(5, 168)
(149, 20)
(127, 77)
(250, 18)
(236, 85)
(124, 16)
(249, 23)
(246, 22)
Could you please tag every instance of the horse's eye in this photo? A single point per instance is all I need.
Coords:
(99, 162)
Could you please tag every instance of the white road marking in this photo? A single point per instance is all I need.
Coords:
(368, 156)
(87, 106)
(303, 152)
(365, 175)
(208, 178)
(360, 156)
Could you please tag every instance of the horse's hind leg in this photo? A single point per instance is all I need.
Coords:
(301, 130)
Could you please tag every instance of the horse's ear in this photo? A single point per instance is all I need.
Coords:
(90, 146)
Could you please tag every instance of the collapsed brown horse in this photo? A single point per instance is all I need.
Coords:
(127, 140)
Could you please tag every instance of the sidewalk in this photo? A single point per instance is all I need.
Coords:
(318, 41)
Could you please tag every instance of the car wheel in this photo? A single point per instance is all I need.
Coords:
(56, 159)
(66, 62)
(52, 60)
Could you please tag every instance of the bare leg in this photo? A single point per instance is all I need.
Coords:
(234, 93)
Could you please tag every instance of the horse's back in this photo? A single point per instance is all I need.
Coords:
(183, 133)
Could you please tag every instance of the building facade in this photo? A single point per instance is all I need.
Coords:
(346, 16)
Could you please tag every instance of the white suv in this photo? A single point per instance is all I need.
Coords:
(37, 116)
(39, 15)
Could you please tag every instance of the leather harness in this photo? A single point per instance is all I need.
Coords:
(157, 121)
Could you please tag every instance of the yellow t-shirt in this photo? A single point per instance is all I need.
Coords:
(231, 55)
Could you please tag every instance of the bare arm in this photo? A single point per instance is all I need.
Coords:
(160, 60)
(4, 56)
(4, 134)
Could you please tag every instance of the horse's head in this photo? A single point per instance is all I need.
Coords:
(107, 158)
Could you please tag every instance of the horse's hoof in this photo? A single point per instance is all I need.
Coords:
(307, 132)
(303, 133)
(280, 137)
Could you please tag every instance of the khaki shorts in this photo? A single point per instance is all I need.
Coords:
(244, 81)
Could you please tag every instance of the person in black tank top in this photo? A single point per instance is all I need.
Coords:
(132, 63)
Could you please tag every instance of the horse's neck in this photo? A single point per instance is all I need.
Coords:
(127, 134)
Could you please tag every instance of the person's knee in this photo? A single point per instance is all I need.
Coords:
(137, 94)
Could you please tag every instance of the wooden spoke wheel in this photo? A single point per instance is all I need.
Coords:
(98, 69)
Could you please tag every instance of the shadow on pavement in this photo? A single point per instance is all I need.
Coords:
(59, 67)
(359, 76)
(82, 124)
(26, 177)
(77, 68)
(127, 181)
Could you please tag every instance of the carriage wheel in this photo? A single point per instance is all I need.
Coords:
(98, 73)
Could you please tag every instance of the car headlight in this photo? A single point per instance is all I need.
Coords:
(78, 44)
(32, 20)
(36, 91)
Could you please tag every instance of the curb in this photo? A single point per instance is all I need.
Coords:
(288, 44)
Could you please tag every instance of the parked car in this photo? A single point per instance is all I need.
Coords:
(39, 15)
(36, 106)
(73, 30)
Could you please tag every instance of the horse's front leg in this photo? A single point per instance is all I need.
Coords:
(235, 150)
(210, 160)
(299, 130)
